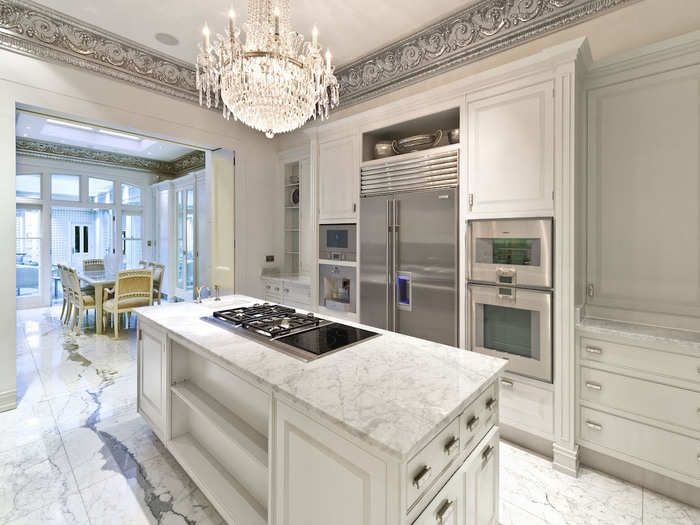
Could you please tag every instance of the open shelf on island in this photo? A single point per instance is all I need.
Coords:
(229, 423)
(227, 495)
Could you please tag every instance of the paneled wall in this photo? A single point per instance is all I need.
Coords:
(643, 261)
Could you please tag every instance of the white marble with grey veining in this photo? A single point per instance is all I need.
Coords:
(395, 392)
(686, 339)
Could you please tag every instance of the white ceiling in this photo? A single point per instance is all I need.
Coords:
(38, 127)
(350, 28)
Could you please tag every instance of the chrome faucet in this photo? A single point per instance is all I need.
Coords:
(198, 292)
(217, 292)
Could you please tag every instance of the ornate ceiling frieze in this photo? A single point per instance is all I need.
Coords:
(32, 29)
(52, 150)
(482, 29)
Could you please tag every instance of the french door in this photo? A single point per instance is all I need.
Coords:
(31, 274)
(185, 251)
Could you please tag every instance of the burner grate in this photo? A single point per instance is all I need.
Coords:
(270, 320)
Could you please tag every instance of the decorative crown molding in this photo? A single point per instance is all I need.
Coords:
(32, 29)
(52, 150)
(482, 29)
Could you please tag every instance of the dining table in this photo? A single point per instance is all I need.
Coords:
(98, 279)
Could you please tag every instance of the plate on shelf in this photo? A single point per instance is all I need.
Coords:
(294, 197)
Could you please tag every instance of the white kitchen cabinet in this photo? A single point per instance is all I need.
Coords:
(152, 378)
(510, 149)
(481, 482)
(348, 483)
(338, 178)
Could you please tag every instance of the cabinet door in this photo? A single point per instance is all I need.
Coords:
(338, 169)
(511, 149)
(152, 378)
(481, 482)
(322, 478)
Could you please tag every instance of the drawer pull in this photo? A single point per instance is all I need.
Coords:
(472, 422)
(486, 454)
(445, 512)
(594, 386)
(491, 403)
(506, 384)
(286, 290)
(594, 350)
(452, 446)
(423, 476)
(594, 426)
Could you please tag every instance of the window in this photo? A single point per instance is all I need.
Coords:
(28, 250)
(101, 190)
(29, 186)
(65, 187)
(131, 195)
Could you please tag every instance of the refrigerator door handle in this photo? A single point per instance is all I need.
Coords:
(394, 272)
(388, 261)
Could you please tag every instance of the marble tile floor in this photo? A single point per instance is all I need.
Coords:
(76, 452)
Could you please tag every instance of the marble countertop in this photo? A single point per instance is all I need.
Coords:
(394, 392)
(644, 333)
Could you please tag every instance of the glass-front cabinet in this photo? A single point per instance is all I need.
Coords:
(185, 241)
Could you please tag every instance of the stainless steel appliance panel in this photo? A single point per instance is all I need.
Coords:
(337, 287)
(408, 264)
(425, 272)
(514, 324)
(375, 261)
(337, 242)
(514, 252)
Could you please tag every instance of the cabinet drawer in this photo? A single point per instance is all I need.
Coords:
(478, 418)
(656, 362)
(429, 463)
(527, 407)
(271, 298)
(447, 507)
(645, 398)
(662, 448)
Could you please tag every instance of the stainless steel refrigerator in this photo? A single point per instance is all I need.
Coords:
(408, 263)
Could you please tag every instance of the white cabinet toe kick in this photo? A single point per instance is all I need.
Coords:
(261, 458)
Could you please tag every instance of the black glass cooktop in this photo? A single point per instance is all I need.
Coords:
(326, 338)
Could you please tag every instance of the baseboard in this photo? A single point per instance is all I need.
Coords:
(526, 440)
(8, 400)
(671, 488)
(565, 459)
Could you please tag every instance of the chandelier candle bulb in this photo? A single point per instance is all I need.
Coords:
(231, 22)
(328, 61)
(314, 37)
(205, 33)
(277, 21)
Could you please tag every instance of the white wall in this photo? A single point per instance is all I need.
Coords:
(100, 100)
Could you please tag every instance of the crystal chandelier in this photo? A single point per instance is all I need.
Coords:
(271, 80)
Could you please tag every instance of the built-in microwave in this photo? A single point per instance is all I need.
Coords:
(513, 252)
(337, 242)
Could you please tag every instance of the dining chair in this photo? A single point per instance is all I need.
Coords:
(158, 272)
(66, 308)
(82, 301)
(132, 289)
(93, 265)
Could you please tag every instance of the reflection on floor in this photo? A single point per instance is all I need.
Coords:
(76, 451)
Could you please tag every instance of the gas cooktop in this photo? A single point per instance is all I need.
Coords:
(303, 335)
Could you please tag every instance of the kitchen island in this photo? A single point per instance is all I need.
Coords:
(392, 430)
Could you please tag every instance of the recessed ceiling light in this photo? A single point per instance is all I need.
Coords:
(69, 124)
(167, 39)
(118, 134)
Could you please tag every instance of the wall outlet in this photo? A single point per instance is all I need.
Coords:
(269, 258)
